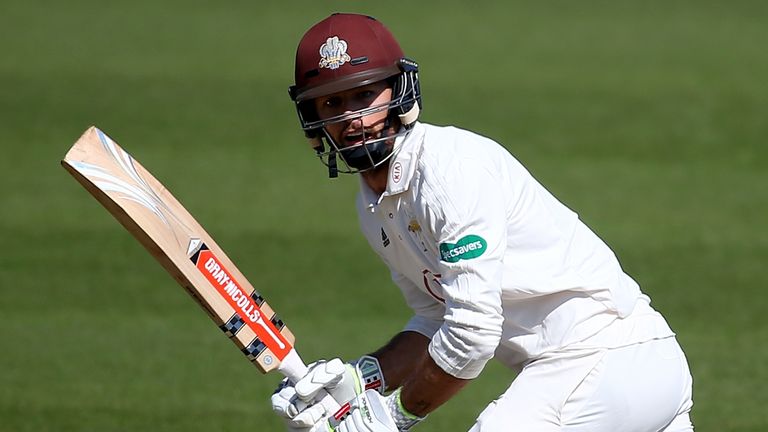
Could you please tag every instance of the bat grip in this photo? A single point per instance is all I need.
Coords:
(294, 368)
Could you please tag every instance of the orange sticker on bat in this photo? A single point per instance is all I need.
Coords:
(243, 304)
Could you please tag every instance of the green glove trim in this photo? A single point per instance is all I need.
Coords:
(403, 418)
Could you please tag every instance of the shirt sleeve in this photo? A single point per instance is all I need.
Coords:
(428, 312)
(469, 222)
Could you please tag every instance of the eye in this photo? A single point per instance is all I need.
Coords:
(366, 94)
(332, 102)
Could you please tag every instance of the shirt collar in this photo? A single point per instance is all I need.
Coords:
(402, 165)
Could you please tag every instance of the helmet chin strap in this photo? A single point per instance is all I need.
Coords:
(333, 170)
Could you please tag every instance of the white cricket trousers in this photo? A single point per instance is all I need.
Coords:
(644, 387)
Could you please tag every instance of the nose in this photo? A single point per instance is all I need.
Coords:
(355, 123)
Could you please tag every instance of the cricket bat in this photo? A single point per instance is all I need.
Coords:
(167, 230)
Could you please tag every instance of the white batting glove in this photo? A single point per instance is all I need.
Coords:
(287, 405)
(372, 412)
(295, 403)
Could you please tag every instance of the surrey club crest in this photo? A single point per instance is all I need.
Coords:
(333, 53)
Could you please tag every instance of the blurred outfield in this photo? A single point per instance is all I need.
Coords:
(648, 118)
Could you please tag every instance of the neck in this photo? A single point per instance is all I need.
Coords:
(376, 179)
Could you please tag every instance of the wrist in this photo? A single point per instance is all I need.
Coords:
(404, 419)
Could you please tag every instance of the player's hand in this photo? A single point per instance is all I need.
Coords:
(372, 412)
(287, 405)
(296, 403)
(334, 376)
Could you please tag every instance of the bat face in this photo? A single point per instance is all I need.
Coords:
(149, 211)
(247, 307)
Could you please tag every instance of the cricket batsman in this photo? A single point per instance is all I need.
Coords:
(492, 265)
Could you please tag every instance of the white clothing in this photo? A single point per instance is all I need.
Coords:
(522, 275)
(637, 388)
(493, 265)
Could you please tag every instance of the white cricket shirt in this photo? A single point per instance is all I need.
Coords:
(490, 262)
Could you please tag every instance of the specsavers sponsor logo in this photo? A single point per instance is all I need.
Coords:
(468, 247)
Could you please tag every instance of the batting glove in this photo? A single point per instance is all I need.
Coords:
(295, 403)
(372, 412)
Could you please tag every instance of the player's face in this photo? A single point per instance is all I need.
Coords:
(351, 132)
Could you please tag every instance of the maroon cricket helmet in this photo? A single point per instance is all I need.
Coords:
(342, 52)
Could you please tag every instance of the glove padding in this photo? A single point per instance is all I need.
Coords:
(287, 405)
(369, 413)
(295, 403)
(372, 412)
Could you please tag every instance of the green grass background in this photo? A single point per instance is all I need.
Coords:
(648, 118)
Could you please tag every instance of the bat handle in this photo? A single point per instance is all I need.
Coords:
(294, 368)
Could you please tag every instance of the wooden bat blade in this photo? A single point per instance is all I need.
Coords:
(167, 230)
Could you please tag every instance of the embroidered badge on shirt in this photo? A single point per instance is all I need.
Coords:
(333, 53)
(415, 229)
(413, 226)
